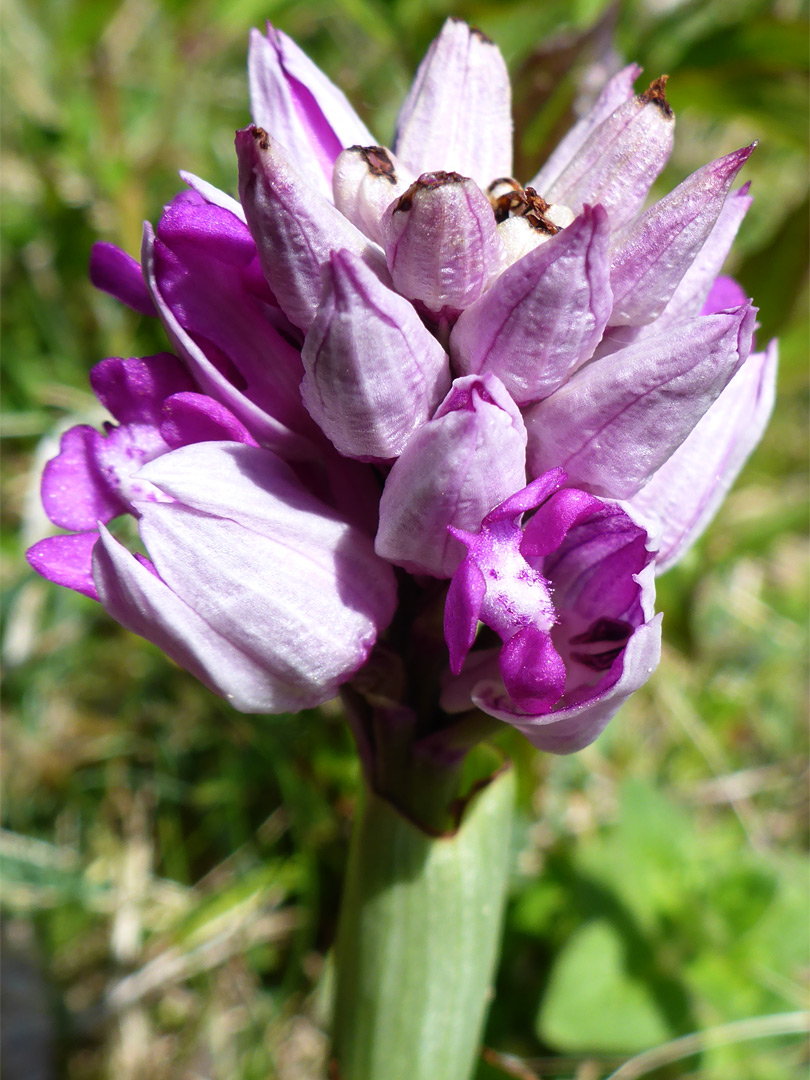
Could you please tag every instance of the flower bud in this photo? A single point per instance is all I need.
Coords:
(373, 373)
(618, 419)
(543, 316)
(458, 113)
(441, 242)
(367, 179)
(453, 471)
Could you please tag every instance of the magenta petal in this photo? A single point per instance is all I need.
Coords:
(567, 730)
(602, 583)
(616, 92)
(117, 273)
(213, 195)
(457, 114)
(530, 497)
(651, 255)
(191, 418)
(211, 231)
(544, 315)
(441, 242)
(724, 294)
(533, 671)
(618, 419)
(295, 228)
(207, 272)
(565, 619)
(215, 382)
(548, 526)
(66, 560)
(620, 159)
(461, 610)
(75, 493)
(134, 389)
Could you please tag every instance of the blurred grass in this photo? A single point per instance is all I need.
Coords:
(171, 869)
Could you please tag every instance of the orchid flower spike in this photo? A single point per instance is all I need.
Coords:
(397, 376)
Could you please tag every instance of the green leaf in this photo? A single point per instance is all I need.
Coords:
(593, 1002)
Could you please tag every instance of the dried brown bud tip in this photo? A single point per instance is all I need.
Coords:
(261, 137)
(517, 202)
(426, 182)
(378, 161)
(655, 95)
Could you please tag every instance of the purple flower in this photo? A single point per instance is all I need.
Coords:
(258, 587)
(570, 594)
(404, 358)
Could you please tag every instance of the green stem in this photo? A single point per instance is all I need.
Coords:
(418, 938)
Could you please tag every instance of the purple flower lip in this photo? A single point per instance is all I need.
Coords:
(567, 592)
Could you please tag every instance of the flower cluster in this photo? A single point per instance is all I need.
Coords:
(391, 370)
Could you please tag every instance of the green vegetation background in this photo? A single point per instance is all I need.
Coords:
(170, 869)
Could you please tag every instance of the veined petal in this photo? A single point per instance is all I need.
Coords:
(441, 242)
(316, 596)
(300, 615)
(620, 159)
(616, 92)
(543, 316)
(453, 471)
(292, 98)
(618, 419)
(260, 492)
(683, 496)
(458, 113)
(117, 273)
(142, 602)
(693, 289)
(295, 228)
(66, 560)
(373, 373)
(650, 256)
(365, 182)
